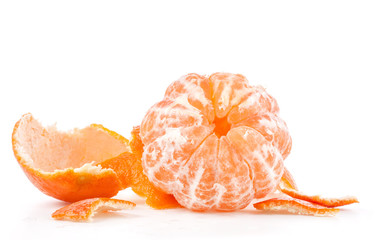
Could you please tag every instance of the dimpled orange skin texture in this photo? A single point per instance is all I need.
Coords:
(85, 209)
(66, 184)
(289, 190)
(215, 143)
(295, 206)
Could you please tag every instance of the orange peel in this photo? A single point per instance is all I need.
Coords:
(317, 199)
(298, 203)
(66, 165)
(295, 206)
(287, 180)
(84, 210)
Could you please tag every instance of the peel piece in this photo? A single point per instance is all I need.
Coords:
(295, 206)
(323, 201)
(128, 167)
(84, 210)
(287, 180)
(64, 165)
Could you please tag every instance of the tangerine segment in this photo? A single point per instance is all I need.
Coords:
(326, 202)
(128, 167)
(169, 114)
(256, 101)
(200, 91)
(62, 164)
(265, 162)
(295, 206)
(235, 177)
(193, 121)
(166, 155)
(199, 190)
(228, 90)
(273, 128)
(141, 185)
(84, 210)
(214, 178)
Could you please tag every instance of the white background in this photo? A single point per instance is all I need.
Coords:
(81, 62)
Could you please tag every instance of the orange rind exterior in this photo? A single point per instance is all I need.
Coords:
(287, 180)
(316, 199)
(71, 183)
(295, 206)
(84, 210)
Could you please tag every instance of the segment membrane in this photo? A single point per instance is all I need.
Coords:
(198, 177)
(163, 157)
(263, 159)
(170, 114)
(234, 177)
(273, 128)
(228, 91)
(214, 178)
(198, 91)
(256, 101)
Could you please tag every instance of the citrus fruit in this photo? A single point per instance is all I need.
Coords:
(66, 165)
(215, 142)
(84, 210)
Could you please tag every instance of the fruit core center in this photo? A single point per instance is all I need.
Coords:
(221, 126)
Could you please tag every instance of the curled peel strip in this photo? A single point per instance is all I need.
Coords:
(299, 203)
(84, 210)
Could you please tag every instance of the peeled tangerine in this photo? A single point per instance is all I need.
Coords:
(215, 143)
